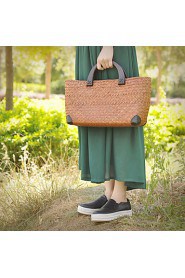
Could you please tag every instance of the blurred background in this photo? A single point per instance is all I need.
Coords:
(41, 71)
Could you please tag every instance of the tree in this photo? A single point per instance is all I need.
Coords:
(9, 78)
(158, 53)
(1, 53)
(162, 58)
(45, 53)
(48, 75)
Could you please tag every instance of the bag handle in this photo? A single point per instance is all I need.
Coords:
(121, 73)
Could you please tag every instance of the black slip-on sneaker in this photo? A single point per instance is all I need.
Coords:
(89, 208)
(112, 210)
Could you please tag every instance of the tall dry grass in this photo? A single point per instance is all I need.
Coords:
(29, 190)
(26, 191)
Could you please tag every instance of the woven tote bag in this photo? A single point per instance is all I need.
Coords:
(122, 102)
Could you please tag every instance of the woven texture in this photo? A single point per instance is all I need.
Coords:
(107, 104)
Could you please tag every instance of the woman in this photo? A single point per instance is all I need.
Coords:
(114, 156)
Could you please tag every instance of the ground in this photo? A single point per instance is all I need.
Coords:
(62, 215)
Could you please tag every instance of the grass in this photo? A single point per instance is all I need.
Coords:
(26, 192)
(45, 198)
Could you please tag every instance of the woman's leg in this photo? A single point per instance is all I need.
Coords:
(119, 192)
(109, 187)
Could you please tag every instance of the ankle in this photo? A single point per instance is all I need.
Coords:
(108, 194)
(119, 199)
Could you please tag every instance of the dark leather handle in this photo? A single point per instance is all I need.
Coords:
(121, 73)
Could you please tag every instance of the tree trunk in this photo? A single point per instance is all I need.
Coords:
(1, 53)
(9, 78)
(159, 65)
(48, 76)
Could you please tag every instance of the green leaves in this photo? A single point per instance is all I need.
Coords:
(40, 124)
(165, 127)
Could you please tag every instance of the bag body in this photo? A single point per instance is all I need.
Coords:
(108, 103)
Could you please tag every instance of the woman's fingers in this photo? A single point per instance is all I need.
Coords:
(104, 64)
(104, 60)
(107, 63)
(99, 66)
(110, 64)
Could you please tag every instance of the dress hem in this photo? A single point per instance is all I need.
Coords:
(129, 187)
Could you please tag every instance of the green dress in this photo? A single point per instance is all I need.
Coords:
(110, 152)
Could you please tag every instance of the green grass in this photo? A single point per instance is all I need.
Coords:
(27, 194)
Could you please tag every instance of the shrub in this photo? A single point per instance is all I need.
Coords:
(29, 87)
(38, 125)
(165, 127)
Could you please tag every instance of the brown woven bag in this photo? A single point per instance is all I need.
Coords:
(108, 103)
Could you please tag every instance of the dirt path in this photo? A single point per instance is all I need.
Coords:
(62, 215)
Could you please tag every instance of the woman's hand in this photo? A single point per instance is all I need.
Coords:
(104, 60)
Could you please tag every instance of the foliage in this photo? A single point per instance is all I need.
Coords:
(30, 62)
(29, 67)
(29, 87)
(178, 89)
(38, 126)
(57, 87)
(172, 62)
(165, 196)
(165, 127)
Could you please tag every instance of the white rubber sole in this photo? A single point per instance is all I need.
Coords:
(86, 211)
(110, 216)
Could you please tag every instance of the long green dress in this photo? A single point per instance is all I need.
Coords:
(110, 152)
